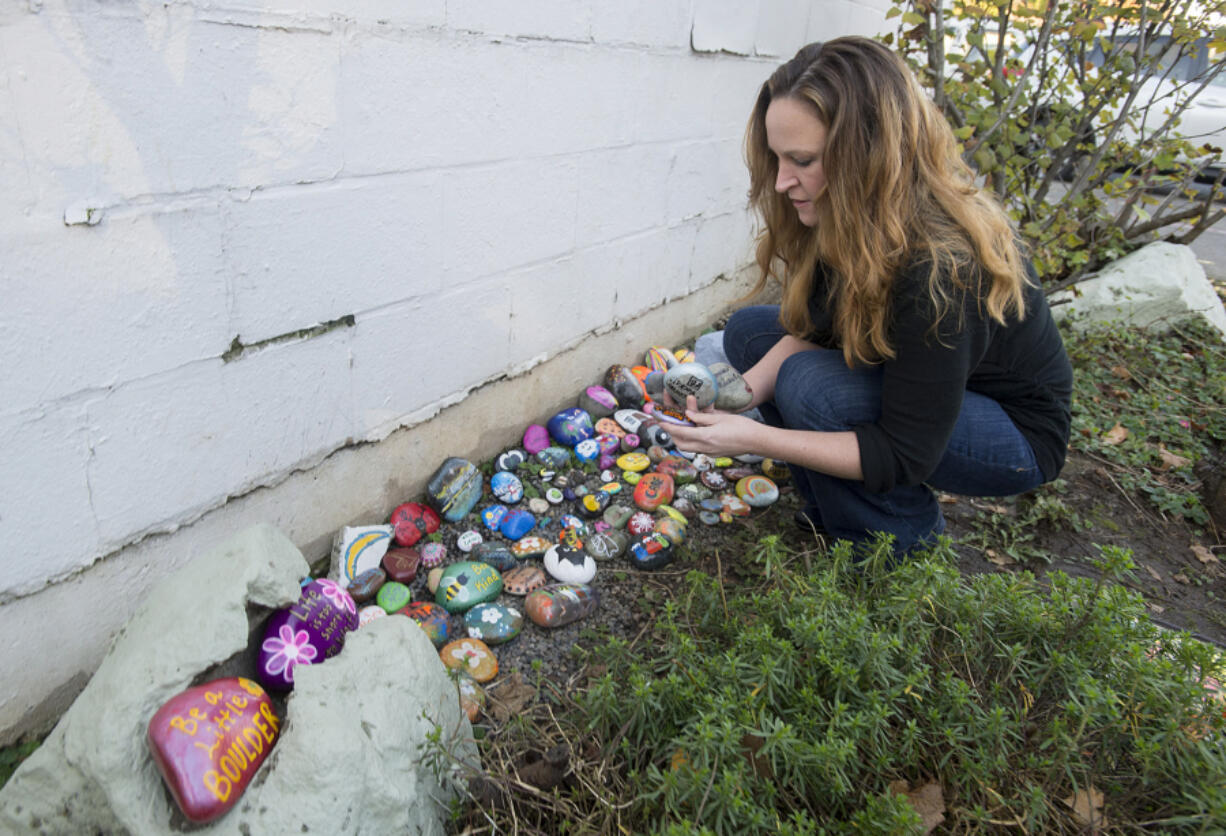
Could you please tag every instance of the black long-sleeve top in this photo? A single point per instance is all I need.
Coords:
(1021, 365)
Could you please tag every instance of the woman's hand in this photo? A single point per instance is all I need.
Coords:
(714, 433)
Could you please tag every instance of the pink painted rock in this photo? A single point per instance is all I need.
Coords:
(653, 490)
(209, 741)
(536, 439)
(307, 633)
(560, 604)
(411, 521)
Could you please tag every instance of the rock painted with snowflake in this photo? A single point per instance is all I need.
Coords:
(208, 742)
(307, 633)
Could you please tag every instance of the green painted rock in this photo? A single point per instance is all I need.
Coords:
(466, 584)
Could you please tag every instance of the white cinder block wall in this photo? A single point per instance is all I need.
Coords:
(241, 236)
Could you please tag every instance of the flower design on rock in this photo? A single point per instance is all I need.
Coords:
(341, 599)
(491, 615)
(291, 649)
(475, 633)
(469, 652)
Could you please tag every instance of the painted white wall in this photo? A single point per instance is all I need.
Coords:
(464, 188)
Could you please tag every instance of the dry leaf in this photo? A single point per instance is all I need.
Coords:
(751, 744)
(1169, 460)
(1116, 434)
(999, 559)
(1203, 554)
(928, 801)
(1153, 573)
(1121, 372)
(1158, 608)
(1087, 807)
(1181, 577)
(947, 499)
(510, 699)
(996, 509)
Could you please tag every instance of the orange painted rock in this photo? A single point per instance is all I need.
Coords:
(653, 490)
(209, 741)
(472, 656)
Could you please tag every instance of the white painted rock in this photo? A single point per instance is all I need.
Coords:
(357, 549)
(1159, 284)
(569, 564)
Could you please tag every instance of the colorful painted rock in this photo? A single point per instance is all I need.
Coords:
(708, 517)
(641, 523)
(569, 564)
(517, 523)
(607, 426)
(472, 656)
(369, 614)
(468, 540)
(684, 507)
(593, 505)
(672, 530)
(570, 426)
(472, 697)
(691, 379)
(307, 633)
(411, 522)
(357, 549)
(668, 415)
(631, 477)
(560, 604)
(681, 470)
(630, 419)
(553, 457)
(493, 515)
(524, 579)
(630, 442)
(536, 439)
(454, 489)
(654, 384)
(714, 480)
(651, 551)
(618, 515)
(467, 584)
(597, 402)
(496, 555)
(432, 555)
(625, 387)
(757, 491)
(493, 623)
(659, 359)
(366, 585)
(554, 496)
(657, 454)
(432, 578)
(734, 393)
(401, 565)
(653, 490)
(587, 450)
(208, 742)
(507, 487)
(511, 460)
(694, 493)
(776, 471)
(432, 619)
(734, 505)
(606, 545)
(703, 462)
(634, 462)
(394, 596)
(530, 547)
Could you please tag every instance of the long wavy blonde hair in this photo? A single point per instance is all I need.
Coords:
(897, 194)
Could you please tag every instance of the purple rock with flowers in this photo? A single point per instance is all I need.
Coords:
(570, 426)
(307, 633)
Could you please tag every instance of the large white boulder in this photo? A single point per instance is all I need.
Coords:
(1154, 287)
(353, 753)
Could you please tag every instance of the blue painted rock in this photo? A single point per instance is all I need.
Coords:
(493, 515)
(570, 521)
(310, 631)
(651, 551)
(357, 549)
(431, 618)
(653, 490)
(511, 460)
(711, 504)
(369, 614)
(606, 545)
(608, 443)
(587, 450)
(570, 426)
(553, 457)
(618, 515)
(454, 489)
(394, 596)
(734, 393)
(524, 579)
(432, 555)
(630, 419)
(401, 564)
(686, 379)
(366, 585)
(528, 547)
(593, 505)
(625, 387)
(536, 439)
(208, 741)
(757, 491)
(507, 487)
(659, 359)
(472, 656)
(411, 522)
(569, 564)
(708, 517)
(468, 540)
(496, 555)
(641, 523)
(467, 584)
(560, 604)
(493, 623)
(517, 523)
(598, 402)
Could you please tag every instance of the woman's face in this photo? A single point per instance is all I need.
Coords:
(798, 139)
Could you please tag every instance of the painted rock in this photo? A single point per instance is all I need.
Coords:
(630, 442)
(684, 507)
(536, 439)
(606, 545)
(538, 505)
(608, 442)
(524, 579)
(570, 426)
(722, 461)
(734, 393)
(432, 619)
(592, 506)
(684, 355)
(630, 419)
(686, 379)
(625, 387)
(654, 384)
(466, 584)
(553, 457)
(631, 477)
(672, 513)
(570, 565)
(401, 565)
(605, 461)
(776, 470)
(659, 359)
(493, 623)
(511, 460)
(493, 515)
(757, 491)
(472, 656)
(454, 489)
(634, 462)
(657, 454)
(560, 604)
(611, 488)
(411, 521)
(208, 741)
(597, 402)
(672, 530)
(357, 549)
(656, 434)
(735, 474)
(517, 523)
(681, 470)
(587, 450)
(472, 697)
(366, 585)
(432, 579)
(641, 373)
(712, 504)
(749, 458)
(714, 480)
(554, 496)
(607, 426)
(546, 475)
(506, 487)
(432, 554)
(618, 515)
(394, 596)
(369, 614)
(531, 547)
(468, 540)
(641, 523)
(668, 415)
(651, 551)
(694, 493)
(310, 631)
(734, 505)
(573, 523)
(708, 517)
(653, 490)
(703, 462)
(496, 555)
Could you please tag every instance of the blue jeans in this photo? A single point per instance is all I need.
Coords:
(987, 455)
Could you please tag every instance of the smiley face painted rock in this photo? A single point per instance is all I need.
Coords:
(653, 490)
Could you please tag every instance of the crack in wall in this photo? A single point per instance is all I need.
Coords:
(238, 348)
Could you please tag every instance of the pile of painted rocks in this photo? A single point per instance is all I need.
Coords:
(598, 483)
